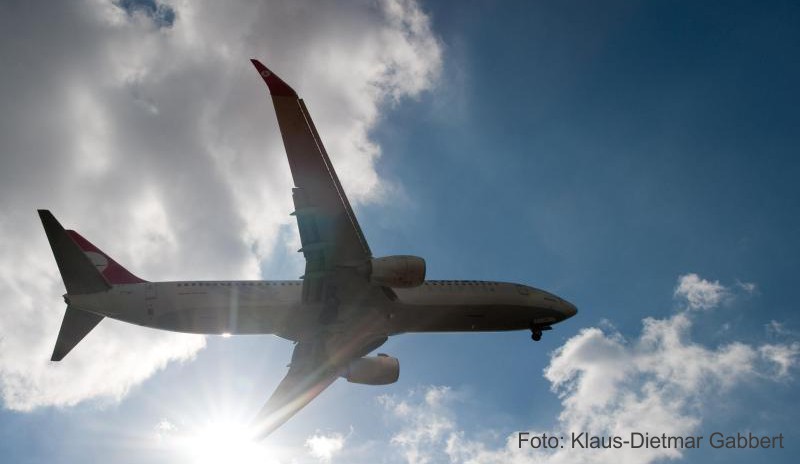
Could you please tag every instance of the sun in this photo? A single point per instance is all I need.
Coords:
(224, 441)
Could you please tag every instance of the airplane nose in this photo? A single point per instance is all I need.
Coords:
(569, 309)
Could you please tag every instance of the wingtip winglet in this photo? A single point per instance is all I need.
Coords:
(277, 87)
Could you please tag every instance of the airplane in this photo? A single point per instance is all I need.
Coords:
(346, 304)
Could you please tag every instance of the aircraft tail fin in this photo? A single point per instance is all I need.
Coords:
(79, 274)
(76, 325)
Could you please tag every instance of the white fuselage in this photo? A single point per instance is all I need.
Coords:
(274, 307)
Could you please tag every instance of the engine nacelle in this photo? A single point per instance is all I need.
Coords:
(373, 370)
(401, 271)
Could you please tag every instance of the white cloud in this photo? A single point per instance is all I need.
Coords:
(656, 382)
(160, 145)
(775, 327)
(783, 356)
(164, 430)
(426, 424)
(700, 293)
(748, 287)
(324, 447)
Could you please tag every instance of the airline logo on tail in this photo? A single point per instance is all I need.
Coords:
(113, 272)
(99, 261)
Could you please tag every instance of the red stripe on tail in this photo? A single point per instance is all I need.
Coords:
(111, 270)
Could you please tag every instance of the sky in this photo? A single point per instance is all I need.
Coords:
(636, 158)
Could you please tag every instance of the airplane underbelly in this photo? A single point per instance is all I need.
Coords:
(218, 313)
(219, 321)
(466, 318)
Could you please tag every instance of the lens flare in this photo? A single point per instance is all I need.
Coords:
(223, 441)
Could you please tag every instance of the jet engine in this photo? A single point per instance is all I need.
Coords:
(373, 370)
(401, 271)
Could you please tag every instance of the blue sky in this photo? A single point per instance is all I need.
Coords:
(638, 159)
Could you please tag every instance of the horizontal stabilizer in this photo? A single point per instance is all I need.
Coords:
(74, 327)
(79, 274)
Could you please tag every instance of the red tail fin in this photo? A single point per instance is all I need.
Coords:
(111, 270)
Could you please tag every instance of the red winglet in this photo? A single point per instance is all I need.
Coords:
(277, 87)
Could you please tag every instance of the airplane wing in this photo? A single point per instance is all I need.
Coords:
(329, 232)
(334, 247)
(315, 366)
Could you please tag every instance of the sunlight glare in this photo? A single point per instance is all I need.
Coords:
(225, 441)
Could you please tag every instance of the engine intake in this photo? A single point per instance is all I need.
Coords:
(401, 271)
(373, 370)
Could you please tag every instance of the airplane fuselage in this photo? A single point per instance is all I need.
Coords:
(274, 307)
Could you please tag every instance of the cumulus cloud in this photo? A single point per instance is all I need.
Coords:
(700, 293)
(609, 385)
(783, 356)
(426, 423)
(145, 128)
(324, 447)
